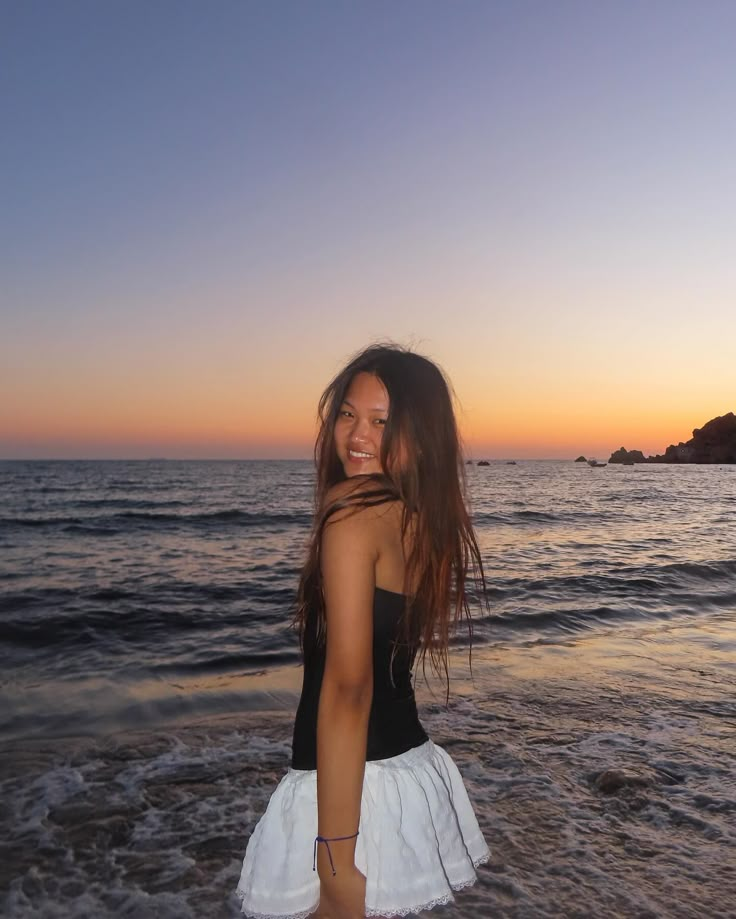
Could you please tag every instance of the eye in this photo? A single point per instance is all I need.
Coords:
(345, 413)
(381, 421)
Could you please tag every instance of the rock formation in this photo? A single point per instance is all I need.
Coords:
(715, 442)
(625, 456)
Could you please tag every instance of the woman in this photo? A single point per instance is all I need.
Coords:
(373, 819)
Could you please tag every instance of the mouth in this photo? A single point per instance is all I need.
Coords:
(360, 455)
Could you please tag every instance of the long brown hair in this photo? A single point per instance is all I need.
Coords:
(424, 469)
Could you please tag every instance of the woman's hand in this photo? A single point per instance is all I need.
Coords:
(342, 896)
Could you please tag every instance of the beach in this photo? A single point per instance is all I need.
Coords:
(154, 823)
(596, 732)
(478, 241)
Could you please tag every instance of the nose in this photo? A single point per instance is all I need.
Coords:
(360, 428)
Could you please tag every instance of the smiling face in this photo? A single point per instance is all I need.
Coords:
(359, 426)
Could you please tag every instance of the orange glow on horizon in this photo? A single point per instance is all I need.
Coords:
(267, 411)
(502, 434)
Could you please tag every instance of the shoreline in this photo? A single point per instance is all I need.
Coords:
(641, 650)
(603, 771)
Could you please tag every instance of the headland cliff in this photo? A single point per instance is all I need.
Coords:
(715, 442)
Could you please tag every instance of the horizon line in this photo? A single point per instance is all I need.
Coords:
(239, 459)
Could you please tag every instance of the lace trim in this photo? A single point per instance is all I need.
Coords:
(305, 914)
(392, 911)
(439, 901)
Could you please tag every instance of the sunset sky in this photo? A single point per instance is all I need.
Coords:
(207, 207)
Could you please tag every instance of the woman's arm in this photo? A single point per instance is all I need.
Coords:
(349, 552)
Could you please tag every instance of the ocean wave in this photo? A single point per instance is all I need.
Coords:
(263, 599)
(513, 518)
(228, 663)
(550, 623)
(120, 618)
(135, 503)
(531, 517)
(103, 524)
(558, 604)
(624, 582)
(699, 571)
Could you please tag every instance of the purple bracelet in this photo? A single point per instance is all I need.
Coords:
(327, 841)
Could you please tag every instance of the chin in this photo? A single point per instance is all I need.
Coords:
(352, 469)
(351, 473)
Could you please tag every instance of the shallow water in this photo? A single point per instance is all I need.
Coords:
(148, 683)
(154, 824)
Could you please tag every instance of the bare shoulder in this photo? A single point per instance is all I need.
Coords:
(363, 537)
(356, 485)
(355, 514)
(357, 496)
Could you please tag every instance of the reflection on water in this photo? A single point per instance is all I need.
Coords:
(603, 770)
(99, 706)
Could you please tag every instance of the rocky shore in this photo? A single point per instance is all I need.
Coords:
(715, 442)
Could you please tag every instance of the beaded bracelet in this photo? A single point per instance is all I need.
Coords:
(327, 841)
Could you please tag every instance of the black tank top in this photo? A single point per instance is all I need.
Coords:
(393, 726)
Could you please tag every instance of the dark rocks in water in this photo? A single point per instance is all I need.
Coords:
(581, 459)
(627, 457)
(623, 778)
(483, 463)
(612, 780)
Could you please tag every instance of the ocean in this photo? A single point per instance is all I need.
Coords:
(149, 677)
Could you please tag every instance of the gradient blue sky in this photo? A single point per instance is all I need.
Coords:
(207, 207)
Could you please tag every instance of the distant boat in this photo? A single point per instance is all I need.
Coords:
(483, 463)
(595, 464)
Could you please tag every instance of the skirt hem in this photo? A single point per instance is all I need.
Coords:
(438, 901)
(384, 912)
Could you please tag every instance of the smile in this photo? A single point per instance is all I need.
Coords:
(357, 454)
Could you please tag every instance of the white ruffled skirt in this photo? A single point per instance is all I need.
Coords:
(419, 840)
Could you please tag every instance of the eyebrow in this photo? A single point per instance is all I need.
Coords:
(348, 402)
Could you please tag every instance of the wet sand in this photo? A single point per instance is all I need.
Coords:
(603, 771)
